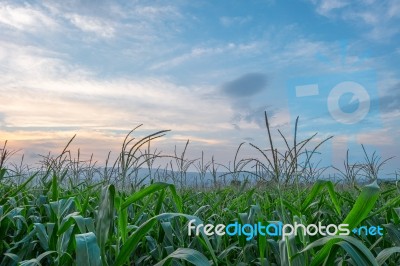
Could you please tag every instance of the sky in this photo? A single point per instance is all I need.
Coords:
(206, 70)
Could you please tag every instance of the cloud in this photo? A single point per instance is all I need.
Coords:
(92, 24)
(325, 7)
(380, 17)
(200, 53)
(231, 21)
(144, 23)
(251, 115)
(72, 96)
(157, 12)
(194, 53)
(2, 119)
(25, 18)
(65, 83)
(236, 126)
(394, 9)
(390, 102)
(245, 86)
(247, 113)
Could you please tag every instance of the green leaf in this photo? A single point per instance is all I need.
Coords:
(54, 188)
(360, 251)
(130, 245)
(187, 254)
(105, 217)
(42, 235)
(12, 256)
(315, 191)
(70, 220)
(150, 190)
(355, 254)
(87, 250)
(3, 172)
(386, 253)
(14, 192)
(363, 205)
(36, 262)
(122, 219)
(394, 233)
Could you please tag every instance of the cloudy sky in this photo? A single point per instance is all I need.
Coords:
(207, 70)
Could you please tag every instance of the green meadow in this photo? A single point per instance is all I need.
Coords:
(68, 211)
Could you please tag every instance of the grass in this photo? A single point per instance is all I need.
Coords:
(70, 212)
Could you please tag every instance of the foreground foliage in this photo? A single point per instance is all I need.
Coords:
(102, 225)
(72, 213)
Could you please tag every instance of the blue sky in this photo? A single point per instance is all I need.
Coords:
(207, 70)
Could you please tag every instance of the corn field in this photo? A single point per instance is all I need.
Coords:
(64, 214)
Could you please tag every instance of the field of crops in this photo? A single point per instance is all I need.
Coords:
(62, 215)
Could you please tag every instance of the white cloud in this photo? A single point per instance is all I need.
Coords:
(61, 85)
(325, 7)
(393, 9)
(25, 18)
(204, 52)
(132, 20)
(57, 94)
(194, 53)
(380, 17)
(157, 12)
(94, 25)
(231, 21)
